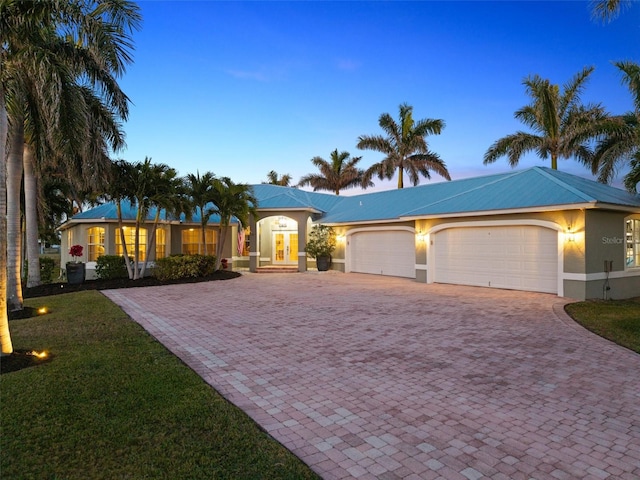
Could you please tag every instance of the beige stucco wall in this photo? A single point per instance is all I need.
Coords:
(173, 232)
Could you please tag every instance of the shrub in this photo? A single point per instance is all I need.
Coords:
(322, 241)
(111, 266)
(47, 267)
(183, 266)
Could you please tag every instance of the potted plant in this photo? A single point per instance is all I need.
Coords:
(76, 268)
(321, 244)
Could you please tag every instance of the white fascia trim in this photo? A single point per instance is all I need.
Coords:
(554, 208)
(589, 277)
(497, 223)
(363, 222)
(381, 229)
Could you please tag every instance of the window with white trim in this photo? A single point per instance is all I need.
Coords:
(632, 235)
(191, 240)
(95, 243)
(130, 240)
(161, 243)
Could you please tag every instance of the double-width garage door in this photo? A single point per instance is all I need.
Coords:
(383, 253)
(513, 257)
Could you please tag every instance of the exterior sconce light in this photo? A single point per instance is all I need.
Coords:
(570, 235)
(282, 222)
(421, 236)
(341, 237)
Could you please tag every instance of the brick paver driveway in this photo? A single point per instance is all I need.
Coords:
(377, 377)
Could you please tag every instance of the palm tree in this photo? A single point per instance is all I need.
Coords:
(6, 346)
(632, 179)
(200, 190)
(405, 148)
(336, 175)
(51, 52)
(622, 142)
(231, 200)
(274, 179)
(164, 193)
(608, 10)
(562, 126)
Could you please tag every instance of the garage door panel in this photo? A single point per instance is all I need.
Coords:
(515, 257)
(383, 253)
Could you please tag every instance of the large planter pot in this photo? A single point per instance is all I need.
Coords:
(323, 263)
(75, 273)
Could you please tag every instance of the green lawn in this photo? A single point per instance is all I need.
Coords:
(114, 403)
(617, 320)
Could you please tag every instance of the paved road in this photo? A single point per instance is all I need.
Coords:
(376, 377)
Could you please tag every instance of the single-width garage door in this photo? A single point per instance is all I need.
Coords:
(383, 253)
(514, 257)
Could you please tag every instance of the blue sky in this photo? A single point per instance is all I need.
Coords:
(242, 88)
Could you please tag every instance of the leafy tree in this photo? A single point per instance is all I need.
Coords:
(200, 190)
(621, 143)
(562, 126)
(231, 200)
(405, 148)
(340, 173)
(274, 179)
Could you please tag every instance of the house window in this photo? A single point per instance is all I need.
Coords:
(161, 243)
(130, 240)
(191, 241)
(633, 243)
(95, 243)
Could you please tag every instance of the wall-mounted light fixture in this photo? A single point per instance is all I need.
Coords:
(570, 235)
(282, 222)
(421, 236)
(341, 237)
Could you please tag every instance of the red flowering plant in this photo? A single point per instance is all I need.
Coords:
(76, 252)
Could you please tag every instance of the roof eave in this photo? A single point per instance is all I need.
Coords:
(477, 213)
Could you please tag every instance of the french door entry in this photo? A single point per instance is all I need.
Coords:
(285, 248)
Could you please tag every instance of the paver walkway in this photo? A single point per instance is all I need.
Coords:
(376, 377)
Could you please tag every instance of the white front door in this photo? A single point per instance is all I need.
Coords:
(285, 248)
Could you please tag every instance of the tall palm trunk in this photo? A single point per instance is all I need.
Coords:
(14, 178)
(31, 215)
(136, 253)
(222, 235)
(400, 177)
(123, 239)
(151, 243)
(202, 247)
(6, 346)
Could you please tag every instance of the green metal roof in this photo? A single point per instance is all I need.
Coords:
(534, 188)
(537, 187)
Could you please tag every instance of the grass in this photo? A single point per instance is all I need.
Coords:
(618, 321)
(114, 403)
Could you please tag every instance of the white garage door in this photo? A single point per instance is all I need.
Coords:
(514, 257)
(383, 253)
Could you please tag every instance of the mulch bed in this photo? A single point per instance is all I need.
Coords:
(58, 288)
